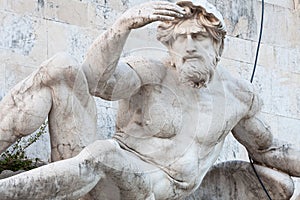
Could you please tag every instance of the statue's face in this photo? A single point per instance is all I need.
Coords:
(193, 53)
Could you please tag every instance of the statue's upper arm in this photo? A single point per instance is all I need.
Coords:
(256, 104)
(124, 83)
(149, 71)
(251, 130)
(130, 75)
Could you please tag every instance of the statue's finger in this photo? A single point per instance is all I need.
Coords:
(171, 7)
(161, 18)
(168, 13)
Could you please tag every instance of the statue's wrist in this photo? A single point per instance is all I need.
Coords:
(122, 25)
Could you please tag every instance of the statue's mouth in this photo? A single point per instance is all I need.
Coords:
(195, 83)
(192, 58)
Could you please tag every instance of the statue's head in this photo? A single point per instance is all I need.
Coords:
(195, 42)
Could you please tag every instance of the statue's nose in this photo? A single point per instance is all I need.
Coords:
(190, 45)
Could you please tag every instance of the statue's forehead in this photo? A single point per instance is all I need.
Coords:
(189, 26)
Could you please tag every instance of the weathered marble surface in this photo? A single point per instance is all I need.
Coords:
(236, 180)
(56, 27)
(68, 94)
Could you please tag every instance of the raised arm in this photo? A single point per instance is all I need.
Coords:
(256, 136)
(103, 55)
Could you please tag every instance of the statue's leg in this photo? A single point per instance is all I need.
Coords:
(73, 115)
(74, 177)
(66, 179)
(237, 180)
(58, 89)
(135, 178)
(24, 109)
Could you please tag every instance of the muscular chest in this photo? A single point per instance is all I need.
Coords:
(173, 110)
(165, 110)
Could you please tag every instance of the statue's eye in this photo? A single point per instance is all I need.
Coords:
(180, 37)
(199, 36)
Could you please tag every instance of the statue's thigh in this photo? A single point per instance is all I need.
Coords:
(135, 178)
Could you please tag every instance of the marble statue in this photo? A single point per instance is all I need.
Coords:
(174, 114)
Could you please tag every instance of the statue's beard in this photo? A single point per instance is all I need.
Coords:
(196, 72)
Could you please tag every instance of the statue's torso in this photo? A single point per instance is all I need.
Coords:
(179, 128)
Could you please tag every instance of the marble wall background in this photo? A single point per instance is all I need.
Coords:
(31, 31)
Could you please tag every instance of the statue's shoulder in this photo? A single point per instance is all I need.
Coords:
(235, 83)
(241, 89)
(149, 70)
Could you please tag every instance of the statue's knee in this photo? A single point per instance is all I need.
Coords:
(61, 60)
(105, 146)
(59, 69)
(100, 149)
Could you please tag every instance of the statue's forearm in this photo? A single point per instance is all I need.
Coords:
(283, 157)
(103, 55)
(256, 136)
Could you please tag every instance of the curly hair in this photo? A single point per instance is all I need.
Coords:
(215, 28)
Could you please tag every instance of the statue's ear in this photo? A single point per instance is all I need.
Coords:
(168, 45)
(219, 47)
